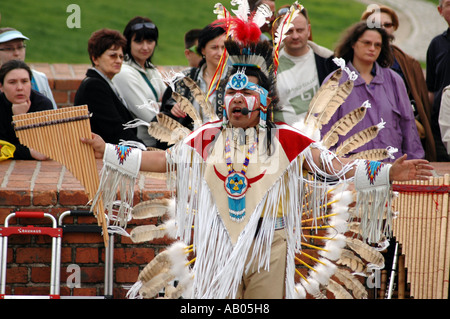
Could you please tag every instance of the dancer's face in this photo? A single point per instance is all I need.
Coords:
(236, 100)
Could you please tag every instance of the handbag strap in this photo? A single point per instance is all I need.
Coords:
(149, 84)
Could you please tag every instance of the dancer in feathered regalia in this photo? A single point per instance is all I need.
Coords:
(250, 193)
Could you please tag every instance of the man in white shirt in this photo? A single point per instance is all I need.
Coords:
(303, 65)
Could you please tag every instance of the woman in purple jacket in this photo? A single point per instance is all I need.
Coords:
(366, 52)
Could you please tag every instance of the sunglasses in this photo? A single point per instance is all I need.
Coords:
(369, 44)
(139, 26)
(193, 49)
(282, 11)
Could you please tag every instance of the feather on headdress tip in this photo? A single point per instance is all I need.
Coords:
(244, 32)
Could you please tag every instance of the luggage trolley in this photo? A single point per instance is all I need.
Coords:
(109, 252)
(54, 232)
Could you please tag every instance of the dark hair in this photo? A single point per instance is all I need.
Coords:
(344, 49)
(207, 34)
(102, 40)
(191, 37)
(12, 65)
(146, 30)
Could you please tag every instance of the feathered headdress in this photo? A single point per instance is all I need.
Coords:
(244, 48)
(244, 30)
(245, 26)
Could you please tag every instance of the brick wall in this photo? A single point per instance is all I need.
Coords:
(48, 187)
(64, 80)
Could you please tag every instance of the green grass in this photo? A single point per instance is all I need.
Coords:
(44, 22)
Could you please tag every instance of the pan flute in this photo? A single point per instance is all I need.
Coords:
(56, 134)
(422, 230)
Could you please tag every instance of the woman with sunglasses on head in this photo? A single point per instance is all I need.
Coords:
(108, 108)
(139, 81)
(367, 53)
(411, 72)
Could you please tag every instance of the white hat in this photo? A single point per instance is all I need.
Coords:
(11, 35)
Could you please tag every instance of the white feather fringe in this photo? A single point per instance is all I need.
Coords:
(217, 272)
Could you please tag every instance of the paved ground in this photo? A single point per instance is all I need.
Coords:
(420, 22)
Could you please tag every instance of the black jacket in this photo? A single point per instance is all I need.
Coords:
(324, 66)
(38, 103)
(108, 112)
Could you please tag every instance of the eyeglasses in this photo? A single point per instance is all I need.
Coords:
(139, 26)
(114, 56)
(369, 44)
(12, 49)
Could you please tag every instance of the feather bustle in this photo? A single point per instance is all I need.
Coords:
(168, 130)
(151, 208)
(358, 139)
(349, 259)
(145, 233)
(337, 290)
(187, 107)
(160, 132)
(200, 97)
(324, 95)
(152, 287)
(343, 126)
(378, 154)
(157, 265)
(168, 122)
(338, 98)
(351, 283)
(366, 252)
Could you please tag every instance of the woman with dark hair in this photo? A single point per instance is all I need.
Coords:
(139, 81)
(18, 97)
(367, 53)
(411, 72)
(108, 108)
(210, 47)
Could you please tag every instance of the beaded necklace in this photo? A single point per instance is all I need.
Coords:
(236, 183)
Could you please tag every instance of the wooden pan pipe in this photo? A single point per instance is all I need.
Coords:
(422, 229)
(56, 134)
